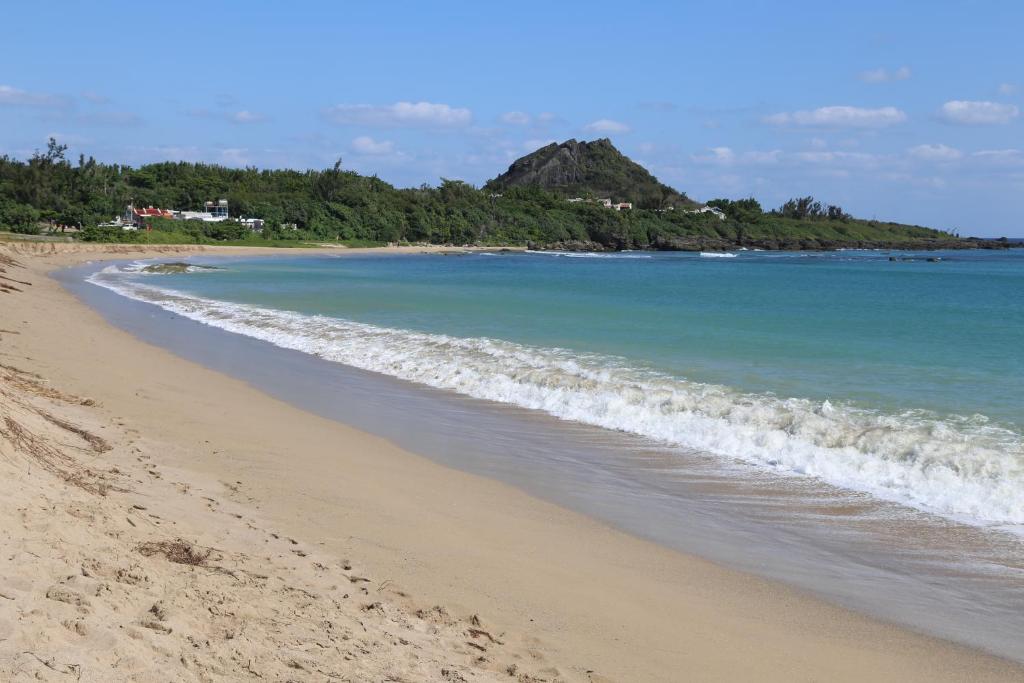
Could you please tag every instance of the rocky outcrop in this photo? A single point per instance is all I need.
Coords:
(589, 169)
(707, 243)
(569, 245)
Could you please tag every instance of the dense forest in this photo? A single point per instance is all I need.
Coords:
(336, 204)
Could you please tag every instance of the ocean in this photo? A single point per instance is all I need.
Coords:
(903, 379)
(785, 413)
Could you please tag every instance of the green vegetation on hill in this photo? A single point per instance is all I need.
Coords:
(589, 170)
(336, 204)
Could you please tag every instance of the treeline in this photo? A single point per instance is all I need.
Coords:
(336, 204)
(798, 208)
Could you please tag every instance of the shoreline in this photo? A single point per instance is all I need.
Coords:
(693, 244)
(594, 598)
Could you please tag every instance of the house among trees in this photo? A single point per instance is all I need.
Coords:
(606, 203)
(138, 217)
(218, 209)
(135, 218)
(214, 212)
(714, 210)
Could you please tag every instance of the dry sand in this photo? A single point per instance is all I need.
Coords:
(161, 521)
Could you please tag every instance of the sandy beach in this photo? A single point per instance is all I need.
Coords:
(163, 521)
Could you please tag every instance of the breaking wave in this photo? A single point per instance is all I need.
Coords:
(589, 254)
(960, 467)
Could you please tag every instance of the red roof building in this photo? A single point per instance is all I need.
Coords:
(150, 212)
(137, 217)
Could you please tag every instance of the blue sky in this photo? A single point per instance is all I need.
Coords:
(909, 111)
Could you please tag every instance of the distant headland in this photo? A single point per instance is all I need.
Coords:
(573, 195)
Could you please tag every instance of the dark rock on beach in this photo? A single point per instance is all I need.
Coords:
(176, 267)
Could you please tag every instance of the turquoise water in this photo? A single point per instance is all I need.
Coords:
(904, 379)
(944, 336)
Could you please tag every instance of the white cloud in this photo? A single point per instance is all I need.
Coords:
(109, 118)
(915, 180)
(17, 97)
(245, 116)
(515, 118)
(726, 156)
(978, 113)
(816, 157)
(606, 126)
(423, 114)
(1008, 88)
(934, 153)
(883, 75)
(94, 97)
(166, 153)
(837, 158)
(367, 145)
(756, 157)
(235, 156)
(1000, 156)
(840, 117)
(716, 155)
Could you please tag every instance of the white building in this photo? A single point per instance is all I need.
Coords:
(254, 224)
(118, 222)
(714, 210)
(605, 202)
(215, 212)
(218, 209)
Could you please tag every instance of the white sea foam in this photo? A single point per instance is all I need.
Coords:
(716, 254)
(589, 254)
(962, 468)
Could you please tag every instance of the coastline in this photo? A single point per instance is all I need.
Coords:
(590, 598)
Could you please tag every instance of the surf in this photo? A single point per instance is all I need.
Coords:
(961, 467)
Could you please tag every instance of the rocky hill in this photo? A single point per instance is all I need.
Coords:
(589, 169)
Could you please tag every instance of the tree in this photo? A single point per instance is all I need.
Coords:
(55, 151)
(802, 208)
(743, 210)
(836, 213)
(20, 218)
